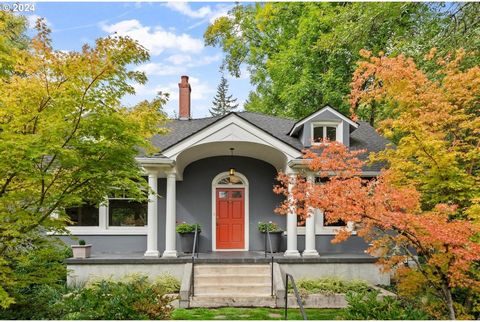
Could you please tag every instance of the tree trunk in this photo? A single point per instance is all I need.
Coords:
(448, 298)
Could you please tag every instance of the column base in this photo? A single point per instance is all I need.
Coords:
(291, 253)
(152, 253)
(310, 253)
(170, 253)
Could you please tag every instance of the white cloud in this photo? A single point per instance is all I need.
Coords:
(185, 9)
(156, 39)
(206, 13)
(179, 59)
(160, 69)
(181, 65)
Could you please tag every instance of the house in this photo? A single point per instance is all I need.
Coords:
(219, 172)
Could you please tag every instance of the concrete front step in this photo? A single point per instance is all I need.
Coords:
(226, 279)
(219, 300)
(222, 269)
(232, 289)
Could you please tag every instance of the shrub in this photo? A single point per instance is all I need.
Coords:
(271, 226)
(185, 228)
(132, 299)
(366, 306)
(82, 242)
(169, 283)
(330, 285)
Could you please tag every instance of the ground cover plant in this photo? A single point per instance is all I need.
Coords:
(330, 285)
(365, 305)
(133, 297)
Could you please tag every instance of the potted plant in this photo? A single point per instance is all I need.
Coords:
(82, 250)
(187, 235)
(275, 234)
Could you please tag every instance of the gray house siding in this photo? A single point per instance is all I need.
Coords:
(194, 205)
(111, 243)
(194, 195)
(306, 134)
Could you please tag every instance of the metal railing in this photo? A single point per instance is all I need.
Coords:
(194, 251)
(297, 296)
(267, 237)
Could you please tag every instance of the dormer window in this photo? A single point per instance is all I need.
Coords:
(322, 131)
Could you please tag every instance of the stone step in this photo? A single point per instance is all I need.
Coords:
(227, 279)
(240, 269)
(250, 289)
(219, 300)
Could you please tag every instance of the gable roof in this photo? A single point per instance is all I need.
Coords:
(363, 137)
(182, 129)
(297, 125)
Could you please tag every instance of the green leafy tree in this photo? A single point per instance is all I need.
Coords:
(12, 38)
(301, 56)
(222, 102)
(65, 138)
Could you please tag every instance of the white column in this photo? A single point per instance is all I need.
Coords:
(292, 250)
(310, 250)
(170, 248)
(152, 214)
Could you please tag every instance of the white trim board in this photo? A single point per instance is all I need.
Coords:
(326, 108)
(246, 210)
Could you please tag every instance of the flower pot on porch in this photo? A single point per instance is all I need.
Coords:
(81, 251)
(186, 242)
(276, 238)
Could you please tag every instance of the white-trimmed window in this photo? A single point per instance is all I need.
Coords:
(118, 215)
(333, 131)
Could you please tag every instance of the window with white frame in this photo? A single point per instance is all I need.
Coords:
(326, 130)
(84, 215)
(125, 211)
(118, 214)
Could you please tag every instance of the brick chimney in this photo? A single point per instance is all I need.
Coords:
(184, 98)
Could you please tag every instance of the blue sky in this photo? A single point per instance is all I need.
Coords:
(173, 33)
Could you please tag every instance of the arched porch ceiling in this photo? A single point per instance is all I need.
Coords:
(245, 149)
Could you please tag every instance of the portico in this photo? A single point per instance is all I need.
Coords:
(230, 137)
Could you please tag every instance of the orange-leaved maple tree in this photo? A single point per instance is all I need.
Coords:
(389, 217)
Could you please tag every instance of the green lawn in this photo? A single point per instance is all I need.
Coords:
(231, 313)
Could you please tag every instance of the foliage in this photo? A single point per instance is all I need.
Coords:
(330, 285)
(40, 281)
(168, 283)
(301, 56)
(82, 242)
(12, 39)
(222, 102)
(66, 139)
(367, 306)
(389, 217)
(185, 228)
(271, 226)
(435, 123)
(259, 313)
(132, 299)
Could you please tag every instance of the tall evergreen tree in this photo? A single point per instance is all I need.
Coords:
(222, 102)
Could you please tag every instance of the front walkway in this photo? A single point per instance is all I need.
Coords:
(221, 257)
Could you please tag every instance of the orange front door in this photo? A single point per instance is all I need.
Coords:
(230, 218)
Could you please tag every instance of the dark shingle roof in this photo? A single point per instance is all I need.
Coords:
(364, 137)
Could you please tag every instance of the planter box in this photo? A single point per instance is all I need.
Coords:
(186, 242)
(330, 301)
(81, 251)
(276, 238)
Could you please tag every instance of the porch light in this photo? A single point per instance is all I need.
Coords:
(232, 172)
